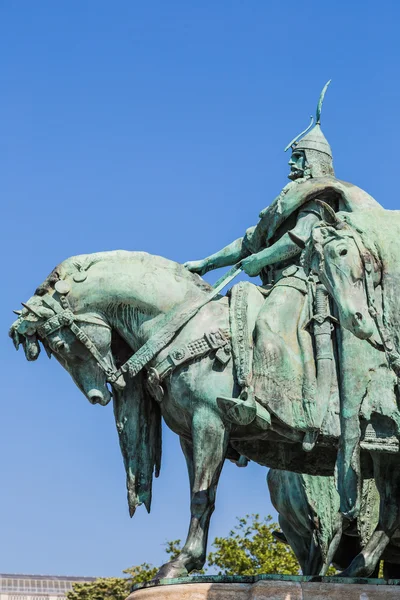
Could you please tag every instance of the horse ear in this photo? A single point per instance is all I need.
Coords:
(330, 217)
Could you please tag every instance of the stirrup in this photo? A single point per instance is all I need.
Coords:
(244, 412)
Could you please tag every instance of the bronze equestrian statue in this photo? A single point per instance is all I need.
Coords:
(299, 374)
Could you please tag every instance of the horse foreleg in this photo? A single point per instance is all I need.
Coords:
(205, 456)
(300, 543)
(332, 549)
(387, 479)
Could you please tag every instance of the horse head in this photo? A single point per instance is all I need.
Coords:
(348, 269)
(39, 322)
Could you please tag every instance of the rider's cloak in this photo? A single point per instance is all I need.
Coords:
(356, 359)
(349, 197)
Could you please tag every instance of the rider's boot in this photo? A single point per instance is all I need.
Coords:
(245, 409)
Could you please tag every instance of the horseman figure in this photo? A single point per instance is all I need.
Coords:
(296, 315)
(273, 249)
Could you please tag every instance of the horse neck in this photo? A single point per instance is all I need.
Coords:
(132, 291)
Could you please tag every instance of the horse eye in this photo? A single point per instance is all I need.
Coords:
(343, 252)
(60, 345)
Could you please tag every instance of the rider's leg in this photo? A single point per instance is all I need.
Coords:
(278, 360)
(277, 366)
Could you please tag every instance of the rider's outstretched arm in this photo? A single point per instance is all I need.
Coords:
(288, 246)
(282, 250)
(229, 255)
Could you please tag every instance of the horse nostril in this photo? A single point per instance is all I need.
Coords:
(358, 316)
(95, 396)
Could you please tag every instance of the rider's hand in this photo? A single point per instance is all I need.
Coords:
(251, 265)
(197, 266)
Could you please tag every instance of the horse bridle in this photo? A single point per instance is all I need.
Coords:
(214, 340)
(64, 317)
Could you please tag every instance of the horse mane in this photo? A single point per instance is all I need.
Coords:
(361, 222)
(366, 224)
(83, 262)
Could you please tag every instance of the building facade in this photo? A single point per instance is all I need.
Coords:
(37, 587)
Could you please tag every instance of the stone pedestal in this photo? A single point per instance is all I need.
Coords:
(269, 588)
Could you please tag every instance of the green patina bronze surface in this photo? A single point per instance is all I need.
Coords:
(299, 374)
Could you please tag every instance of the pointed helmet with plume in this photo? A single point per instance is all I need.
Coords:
(314, 144)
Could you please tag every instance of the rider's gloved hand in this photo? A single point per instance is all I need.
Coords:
(251, 265)
(198, 266)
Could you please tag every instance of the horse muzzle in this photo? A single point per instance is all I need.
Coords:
(95, 396)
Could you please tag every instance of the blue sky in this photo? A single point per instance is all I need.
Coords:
(155, 126)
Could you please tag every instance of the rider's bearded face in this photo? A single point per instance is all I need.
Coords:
(297, 164)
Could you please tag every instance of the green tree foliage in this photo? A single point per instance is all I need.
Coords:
(140, 574)
(251, 548)
(112, 588)
(116, 588)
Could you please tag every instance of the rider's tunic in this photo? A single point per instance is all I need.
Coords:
(285, 315)
(284, 363)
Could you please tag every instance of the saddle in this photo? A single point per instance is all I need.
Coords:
(246, 301)
(228, 324)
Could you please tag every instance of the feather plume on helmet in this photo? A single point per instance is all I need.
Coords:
(313, 144)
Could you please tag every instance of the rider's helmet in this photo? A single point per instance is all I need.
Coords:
(313, 146)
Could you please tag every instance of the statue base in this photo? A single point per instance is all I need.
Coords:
(267, 587)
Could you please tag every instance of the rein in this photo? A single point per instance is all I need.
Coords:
(64, 317)
(169, 326)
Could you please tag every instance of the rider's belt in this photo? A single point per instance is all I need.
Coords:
(293, 282)
(215, 340)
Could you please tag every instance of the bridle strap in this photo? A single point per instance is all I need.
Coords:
(109, 372)
(64, 317)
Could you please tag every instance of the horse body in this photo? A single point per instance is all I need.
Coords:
(129, 294)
